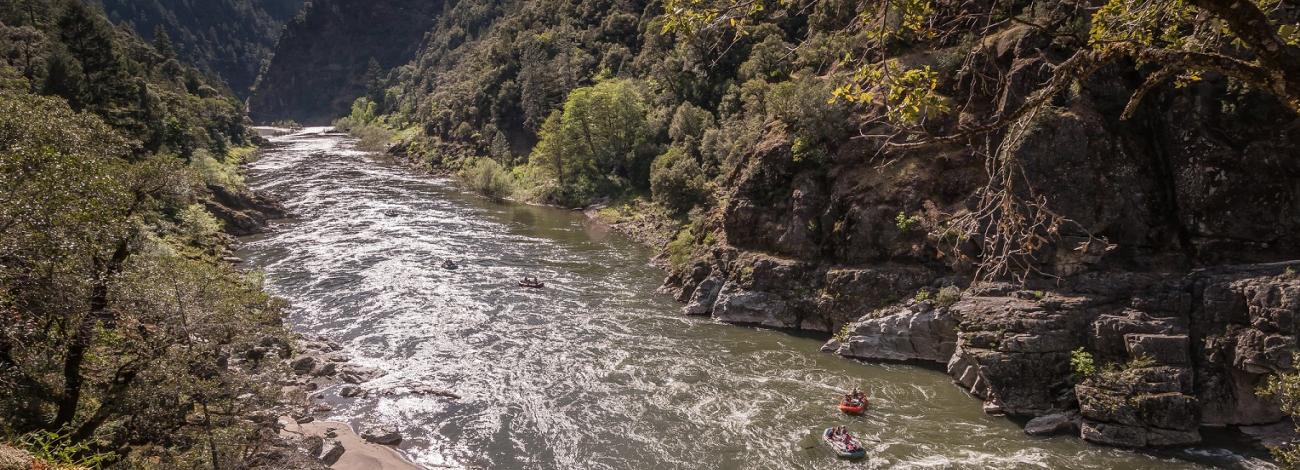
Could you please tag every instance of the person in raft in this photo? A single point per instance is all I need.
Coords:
(843, 435)
(858, 396)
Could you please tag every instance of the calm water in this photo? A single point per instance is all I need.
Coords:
(595, 371)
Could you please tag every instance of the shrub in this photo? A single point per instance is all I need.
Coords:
(1285, 388)
(372, 137)
(906, 223)
(53, 450)
(679, 250)
(947, 296)
(487, 177)
(689, 124)
(922, 295)
(676, 180)
(216, 173)
(1082, 364)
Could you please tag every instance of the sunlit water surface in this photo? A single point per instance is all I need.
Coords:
(596, 370)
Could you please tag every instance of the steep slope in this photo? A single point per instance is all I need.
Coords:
(334, 51)
(232, 39)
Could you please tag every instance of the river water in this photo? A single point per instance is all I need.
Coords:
(596, 371)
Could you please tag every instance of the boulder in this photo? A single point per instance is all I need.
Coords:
(355, 374)
(1052, 425)
(349, 391)
(330, 451)
(303, 364)
(382, 435)
(1111, 434)
(738, 305)
(705, 295)
(900, 334)
(326, 369)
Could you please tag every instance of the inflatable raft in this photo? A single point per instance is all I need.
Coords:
(846, 448)
(854, 407)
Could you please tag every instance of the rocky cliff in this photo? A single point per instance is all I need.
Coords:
(334, 52)
(1187, 307)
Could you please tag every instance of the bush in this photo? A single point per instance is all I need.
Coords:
(216, 173)
(1082, 364)
(1285, 388)
(947, 296)
(53, 450)
(372, 137)
(680, 249)
(676, 180)
(487, 177)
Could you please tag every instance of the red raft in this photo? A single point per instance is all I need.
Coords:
(854, 407)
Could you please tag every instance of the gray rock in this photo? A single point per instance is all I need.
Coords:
(737, 305)
(1164, 349)
(349, 391)
(1113, 434)
(901, 334)
(303, 364)
(326, 369)
(704, 297)
(355, 374)
(330, 451)
(383, 435)
(1052, 425)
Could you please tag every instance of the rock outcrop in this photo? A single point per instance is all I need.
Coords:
(1176, 353)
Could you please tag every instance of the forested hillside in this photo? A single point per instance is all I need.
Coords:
(231, 39)
(333, 51)
(125, 336)
(802, 163)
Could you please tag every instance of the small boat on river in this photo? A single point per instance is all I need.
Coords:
(854, 406)
(845, 445)
(531, 283)
(449, 264)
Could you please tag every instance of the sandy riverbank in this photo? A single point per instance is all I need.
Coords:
(358, 454)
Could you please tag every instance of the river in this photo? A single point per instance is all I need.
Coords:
(596, 371)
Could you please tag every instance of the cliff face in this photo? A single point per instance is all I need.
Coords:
(333, 52)
(1188, 193)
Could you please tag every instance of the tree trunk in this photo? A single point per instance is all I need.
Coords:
(83, 335)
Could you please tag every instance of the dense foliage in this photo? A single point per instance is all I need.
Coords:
(838, 82)
(232, 39)
(124, 338)
(120, 327)
(67, 49)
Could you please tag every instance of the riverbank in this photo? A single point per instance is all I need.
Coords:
(356, 453)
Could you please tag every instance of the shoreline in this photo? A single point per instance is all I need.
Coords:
(358, 453)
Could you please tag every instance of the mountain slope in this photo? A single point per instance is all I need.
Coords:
(334, 51)
(232, 39)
